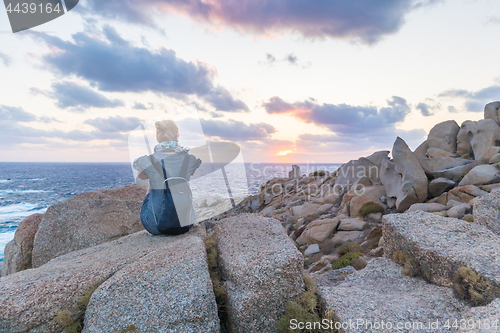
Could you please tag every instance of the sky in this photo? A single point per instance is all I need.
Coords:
(289, 81)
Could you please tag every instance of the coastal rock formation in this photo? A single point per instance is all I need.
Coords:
(442, 245)
(168, 290)
(355, 170)
(479, 138)
(380, 292)
(482, 319)
(481, 175)
(18, 252)
(492, 111)
(262, 270)
(487, 211)
(31, 300)
(86, 220)
(404, 179)
(295, 173)
(444, 136)
(439, 185)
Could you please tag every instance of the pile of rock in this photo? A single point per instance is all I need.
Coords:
(432, 213)
(322, 212)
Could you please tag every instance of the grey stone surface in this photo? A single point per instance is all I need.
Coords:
(333, 277)
(441, 245)
(433, 165)
(486, 211)
(168, 290)
(380, 292)
(86, 220)
(438, 152)
(320, 230)
(456, 173)
(311, 249)
(342, 237)
(482, 319)
(479, 136)
(491, 111)
(352, 171)
(262, 270)
(18, 251)
(427, 207)
(458, 211)
(378, 156)
(440, 185)
(404, 179)
(31, 299)
(481, 175)
(444, 136)
(352, 225)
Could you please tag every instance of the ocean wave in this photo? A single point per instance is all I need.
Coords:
(22, 191)
(5, 181)
(19, 211)
(5, 237)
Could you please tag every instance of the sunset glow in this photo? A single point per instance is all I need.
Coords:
(284, 152)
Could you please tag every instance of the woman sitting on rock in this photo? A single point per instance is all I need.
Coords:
(158, 215)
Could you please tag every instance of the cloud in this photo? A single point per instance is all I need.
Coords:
(364, 20)
(112, 64)
(237, 130)
(290, 59)
(350, 126)
(15, 114)
(474, 100)
(114, 124)
(141, 106)
(74, 95)
(5, 59)
(15, 132)
(492, 20)
(48, 120)
(232, 129)
(343, 118)
(427, 109)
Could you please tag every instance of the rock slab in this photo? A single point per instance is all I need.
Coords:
(380, 292)
(441, 245)
(262, 270)
(486, 211)
(18, 251)
(168, 290)
(31, 299)
(86, 220)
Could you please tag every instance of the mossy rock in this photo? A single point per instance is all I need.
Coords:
(369, 208)
(469, 219)
(346, 260)
(351, 247)
(220, 292)
(473, 287)
(304, 308)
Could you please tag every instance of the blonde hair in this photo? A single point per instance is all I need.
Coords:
(166, 130)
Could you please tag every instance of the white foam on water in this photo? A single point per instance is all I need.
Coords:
(19, 211)
(5, 181)
(22, 191)
(4, 239)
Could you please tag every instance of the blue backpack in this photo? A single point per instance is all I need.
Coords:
(175, 217)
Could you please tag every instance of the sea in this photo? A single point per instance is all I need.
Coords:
(29, 188)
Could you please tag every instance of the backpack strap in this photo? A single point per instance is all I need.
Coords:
(164, 170)
(185, 166)
(156, 165)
